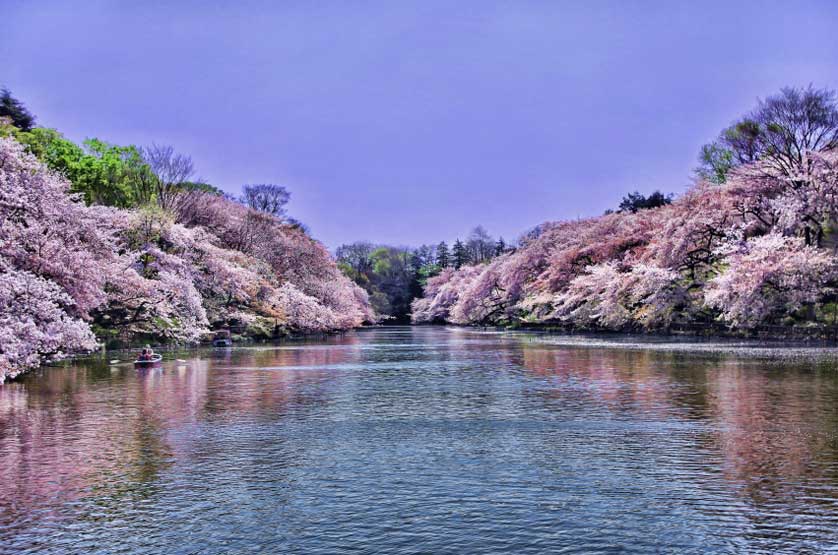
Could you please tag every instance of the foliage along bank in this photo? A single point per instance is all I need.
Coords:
(751, 243)
(122, 255)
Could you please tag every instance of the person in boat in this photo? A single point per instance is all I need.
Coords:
(146, 354)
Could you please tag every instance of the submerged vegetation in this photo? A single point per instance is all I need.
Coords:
(103, 242)
(751, 243)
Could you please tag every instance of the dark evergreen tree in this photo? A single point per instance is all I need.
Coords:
(14, 109)
(416, 281)
(636, 201)
(460, 254)
(442, 257)
(500, 247)
(416, 261)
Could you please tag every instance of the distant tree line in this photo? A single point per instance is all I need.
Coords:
(394, 276)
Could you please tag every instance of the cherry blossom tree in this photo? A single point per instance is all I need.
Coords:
(54, 255)
(35, 326)
(769, 275)
(442, 293)
(288, 254)
(707, 254)
(51, 233)
(168, 273)
(609, 296)
(304, 312)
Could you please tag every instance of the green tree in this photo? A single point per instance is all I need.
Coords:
(112, 175)
(49, 146)
(102, 172)
(202, 187)
(716, 162)
(392, 276)
(779, 132)
(356, 256)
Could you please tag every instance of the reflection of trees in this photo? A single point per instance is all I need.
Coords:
(776, 428)
(768, 428)
(265, 381)
(619, 380)
(68, 436)
(109, 434)
(758, 436)
(773, 423)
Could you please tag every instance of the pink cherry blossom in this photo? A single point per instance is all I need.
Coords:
(210, 262)
(35, 326)
(769, 275)
(749, 252)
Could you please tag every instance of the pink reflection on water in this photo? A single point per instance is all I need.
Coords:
(92, 430)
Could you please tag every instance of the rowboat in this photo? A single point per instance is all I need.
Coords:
(155, 360)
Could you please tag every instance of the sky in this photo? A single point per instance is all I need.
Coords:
(411, 122)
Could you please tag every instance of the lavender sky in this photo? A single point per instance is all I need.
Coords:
(411, 122)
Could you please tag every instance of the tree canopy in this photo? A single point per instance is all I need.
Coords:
(779, 131)
(267, 198)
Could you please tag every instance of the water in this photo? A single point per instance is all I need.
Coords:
(427, 440)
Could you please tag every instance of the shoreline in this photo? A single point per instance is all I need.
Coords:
(824, 336)
(102, 354)
(766, 337)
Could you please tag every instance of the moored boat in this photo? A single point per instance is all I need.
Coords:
(223, 338)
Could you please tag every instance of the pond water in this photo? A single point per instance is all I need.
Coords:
(427, 440)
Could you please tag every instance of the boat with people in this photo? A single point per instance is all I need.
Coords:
(147, 363)
(147, 358)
